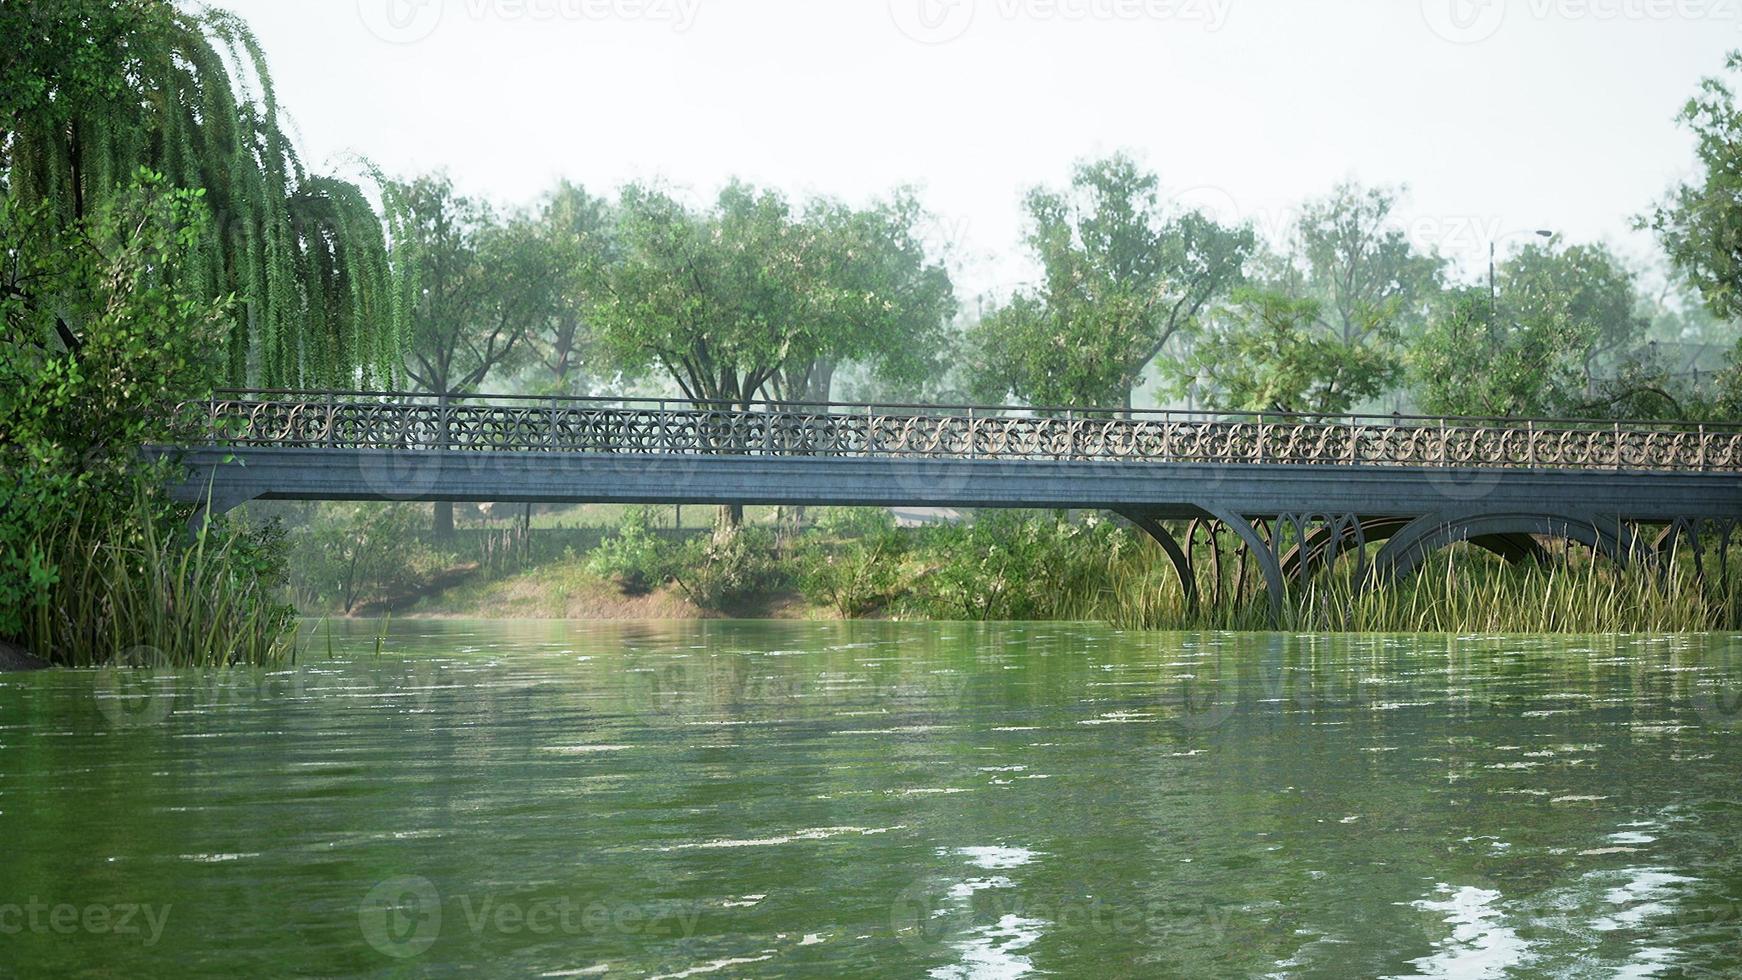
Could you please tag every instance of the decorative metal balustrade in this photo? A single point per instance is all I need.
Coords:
(368, 420)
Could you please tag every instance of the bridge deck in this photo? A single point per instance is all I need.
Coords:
(399, 447)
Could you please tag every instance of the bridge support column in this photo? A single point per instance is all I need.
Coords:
(214, 505)
(1262, 552)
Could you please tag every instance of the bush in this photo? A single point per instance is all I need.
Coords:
(856, 577)
(635, 558)
(854, 522)
(729, 568)
(138, 592)
(1009, 565)
(351, 551)
(105, 327)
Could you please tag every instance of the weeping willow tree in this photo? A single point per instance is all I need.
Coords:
(91, 91)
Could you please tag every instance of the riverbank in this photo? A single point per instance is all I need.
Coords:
(1042, 567)
(15, 659)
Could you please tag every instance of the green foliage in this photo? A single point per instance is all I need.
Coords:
(854, 522)
(1468, 362)
(96, 89)
(737, 302)
(580, 232)
(128, 589)
(1009, 565)
(1467, 594)
(1701, 224)
(1560, 314)
(475, 283)
(1122, 278)
(1589, 288)
(729, 568)
(1269, 354)
(1371, 282)
(853, 562)
(351, 551)
(103, 332)
(634, 557)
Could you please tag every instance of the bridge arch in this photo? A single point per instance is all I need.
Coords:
(1410, 548)
(1261, 551)
(1329, 541)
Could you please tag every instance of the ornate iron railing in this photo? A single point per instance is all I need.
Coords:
(375, 420)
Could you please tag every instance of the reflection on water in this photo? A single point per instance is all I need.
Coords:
(729, 799)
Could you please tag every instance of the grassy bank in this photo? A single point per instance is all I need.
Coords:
(1024, 566)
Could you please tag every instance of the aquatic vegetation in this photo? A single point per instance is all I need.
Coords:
(151, 595)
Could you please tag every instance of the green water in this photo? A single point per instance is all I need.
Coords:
(749, 799)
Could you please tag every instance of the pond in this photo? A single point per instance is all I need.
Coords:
(866, 799)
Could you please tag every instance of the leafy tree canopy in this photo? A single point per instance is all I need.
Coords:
(1122, 277)
(1270, 355)
(92, 90)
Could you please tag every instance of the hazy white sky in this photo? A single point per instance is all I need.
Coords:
(1500, 115)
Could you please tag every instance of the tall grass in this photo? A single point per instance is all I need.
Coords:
(145, 594)
(1040, 567)
(1461, 592)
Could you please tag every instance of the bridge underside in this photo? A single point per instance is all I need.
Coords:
(1291, 517)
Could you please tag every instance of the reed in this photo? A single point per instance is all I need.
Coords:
(1460, 593)
(143, 593)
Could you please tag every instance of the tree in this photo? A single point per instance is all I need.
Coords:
(579, 230)
(1591, 288)
(1700, 226)
(1270, 355)
(474, 284)
(1470, 362)
(1122, 278)
(717, 300)
(1370, 281)
(883, 303)
(77, 415)
(747, 301)
(95, 89)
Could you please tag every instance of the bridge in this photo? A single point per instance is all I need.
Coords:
(1297, 491)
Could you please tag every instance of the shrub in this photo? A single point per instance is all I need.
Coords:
(856, 577)
(351, 551)
(728, 568)
(634, 557)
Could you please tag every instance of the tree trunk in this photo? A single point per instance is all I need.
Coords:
(731, 516)
(444, 520)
